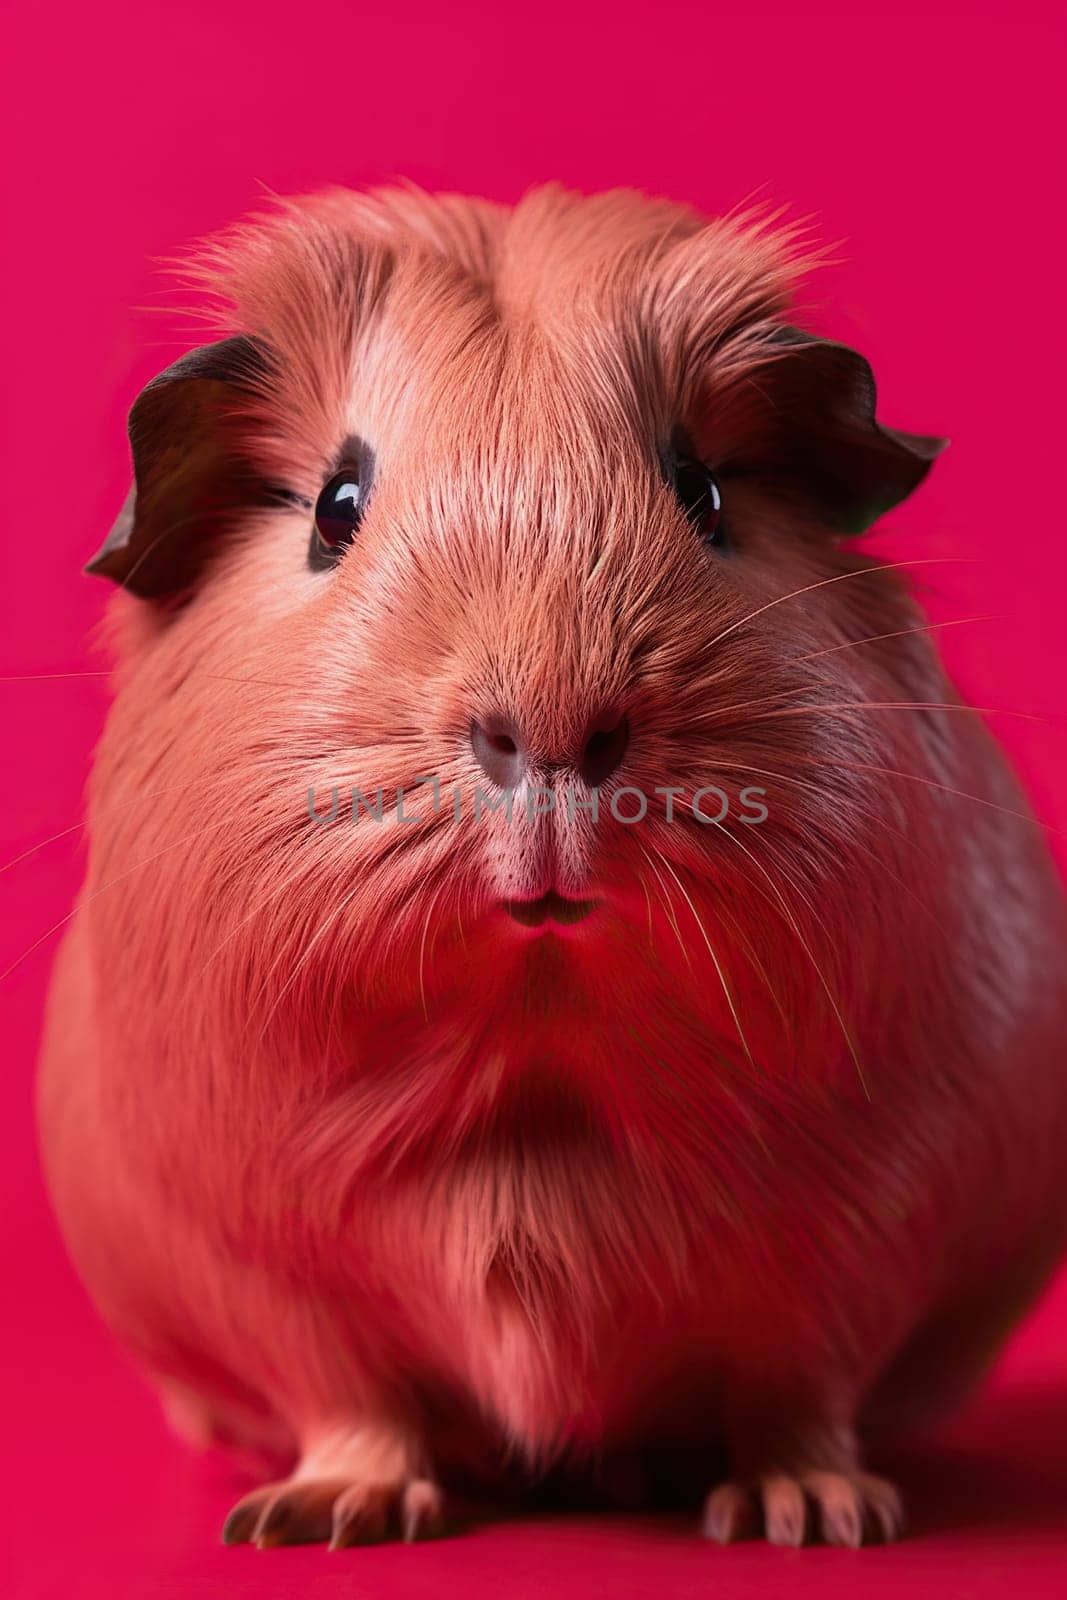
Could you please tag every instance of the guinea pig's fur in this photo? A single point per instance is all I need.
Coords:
(765, 1151)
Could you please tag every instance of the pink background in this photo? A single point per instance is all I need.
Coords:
(930, 145)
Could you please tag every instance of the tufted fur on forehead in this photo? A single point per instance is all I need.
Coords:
(640, 300)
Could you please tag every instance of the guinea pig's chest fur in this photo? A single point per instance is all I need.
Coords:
(556, 1264)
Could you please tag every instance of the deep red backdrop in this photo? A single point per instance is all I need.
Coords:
(930, 146)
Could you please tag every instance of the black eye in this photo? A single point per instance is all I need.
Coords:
(701, 498)
(337, 516)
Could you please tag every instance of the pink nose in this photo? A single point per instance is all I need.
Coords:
(503, 757)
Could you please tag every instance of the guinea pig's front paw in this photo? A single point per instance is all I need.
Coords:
(799, 1506)
(306, 1510)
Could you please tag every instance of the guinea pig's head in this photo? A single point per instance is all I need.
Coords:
(490, 615)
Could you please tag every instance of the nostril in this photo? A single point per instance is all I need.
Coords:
(604, 749)
(498, 753)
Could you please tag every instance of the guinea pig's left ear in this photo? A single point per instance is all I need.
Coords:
(827, 439)
(190, 476)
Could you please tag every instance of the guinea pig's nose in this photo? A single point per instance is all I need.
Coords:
(502, 756)
(498, 751)
(605, 745)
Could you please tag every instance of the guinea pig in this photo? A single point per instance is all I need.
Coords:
(563, 983)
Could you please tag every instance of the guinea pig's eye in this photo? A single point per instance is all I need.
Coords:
(701, 498)
(337, 516)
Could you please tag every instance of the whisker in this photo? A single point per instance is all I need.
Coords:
(667, 1071)
(839, 577)
(104, 811)
(900, 633)
(718, 712)
(422, 949)
(648, 908)
(902, 705)
(714, 957)
(324, 928)
(256, 909)
(667, 906)
(931, 783)
(867, 811)
(216, 677)
(42, 677)
(746, 944)
(199, 834)
(806, 949)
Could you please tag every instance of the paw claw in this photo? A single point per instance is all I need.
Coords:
(240, 1524)
(885, 1509)
(312, 1510)
(839, 1506)
(298, 1513)
(847, 1509)
(362, 1515)
(729, 1514)
(423, 1511)
(785, 1513)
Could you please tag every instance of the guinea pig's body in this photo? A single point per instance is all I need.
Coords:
(443, 1148)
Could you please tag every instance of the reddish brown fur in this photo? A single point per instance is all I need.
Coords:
(352, 1165)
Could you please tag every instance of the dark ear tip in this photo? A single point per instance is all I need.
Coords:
(180, 407)
(924, 446)
(111, 558)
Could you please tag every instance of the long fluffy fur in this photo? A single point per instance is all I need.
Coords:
(740, 1162)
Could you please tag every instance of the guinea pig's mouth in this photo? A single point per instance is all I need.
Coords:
(549, 908)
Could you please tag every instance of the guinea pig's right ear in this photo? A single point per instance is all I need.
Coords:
(825, 437)
(190, 475)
